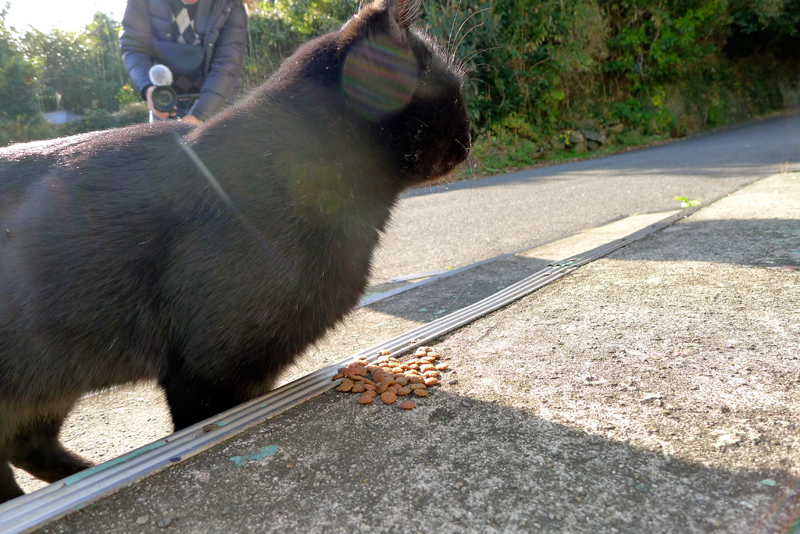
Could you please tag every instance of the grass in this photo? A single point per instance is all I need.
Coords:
(490, 157)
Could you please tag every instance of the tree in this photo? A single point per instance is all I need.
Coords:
(19, 88)
(84, 67)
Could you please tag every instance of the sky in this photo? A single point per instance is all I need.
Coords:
(67, 15)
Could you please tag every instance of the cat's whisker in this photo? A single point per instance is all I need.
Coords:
(409, 13)
(473, 68)
(467, 33)
(450, 37)
(462, 26)
(470, 164)
(480, 191)
(476, 53)
(478, 80)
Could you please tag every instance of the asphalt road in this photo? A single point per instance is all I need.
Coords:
(458, 224)
(461, 223)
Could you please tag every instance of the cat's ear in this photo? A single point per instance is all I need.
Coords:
(397, 33)
(408, 12)
(402, 14)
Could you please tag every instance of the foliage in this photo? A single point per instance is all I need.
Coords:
(20, 117)
(19, 87)
(278, 27)
(759, 26)
(127, 95)
(660, 40)
(310, 18)
(536, 68)
(686, 203)
(84, 68)
(554, 62)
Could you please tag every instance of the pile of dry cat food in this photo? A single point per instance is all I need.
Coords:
(390, 378)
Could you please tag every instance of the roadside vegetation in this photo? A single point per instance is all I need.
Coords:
(549, 80)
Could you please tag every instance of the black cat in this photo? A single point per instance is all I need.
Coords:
(209, 257)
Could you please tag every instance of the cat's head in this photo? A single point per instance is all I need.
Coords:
(395, 82)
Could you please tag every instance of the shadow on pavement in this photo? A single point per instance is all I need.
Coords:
(756, 242)
(453, 464)
(777, 245)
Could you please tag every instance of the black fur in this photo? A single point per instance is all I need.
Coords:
(124, 260)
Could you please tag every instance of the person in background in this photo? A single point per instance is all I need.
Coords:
(202, 42)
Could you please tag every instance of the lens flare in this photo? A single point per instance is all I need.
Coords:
(379, 77)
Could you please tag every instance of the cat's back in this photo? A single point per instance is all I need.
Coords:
(85, 221)
(103, 159)
(28, 161)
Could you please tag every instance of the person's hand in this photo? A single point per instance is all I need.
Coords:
(191, 118)
(156, 113)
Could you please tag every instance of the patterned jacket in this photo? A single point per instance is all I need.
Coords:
(147, 26)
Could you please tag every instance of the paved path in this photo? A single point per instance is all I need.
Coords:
(651, 391)
(452, 226)
(447, 227)
(471, 221)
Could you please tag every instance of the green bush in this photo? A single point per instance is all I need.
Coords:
(535, 67)
(551, 63)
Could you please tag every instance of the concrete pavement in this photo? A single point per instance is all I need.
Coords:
(654, 390)
(471, 221)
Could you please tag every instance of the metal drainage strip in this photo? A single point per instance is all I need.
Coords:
(75, 492)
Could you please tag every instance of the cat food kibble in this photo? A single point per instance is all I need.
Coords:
(346, 385)
(390, 378)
